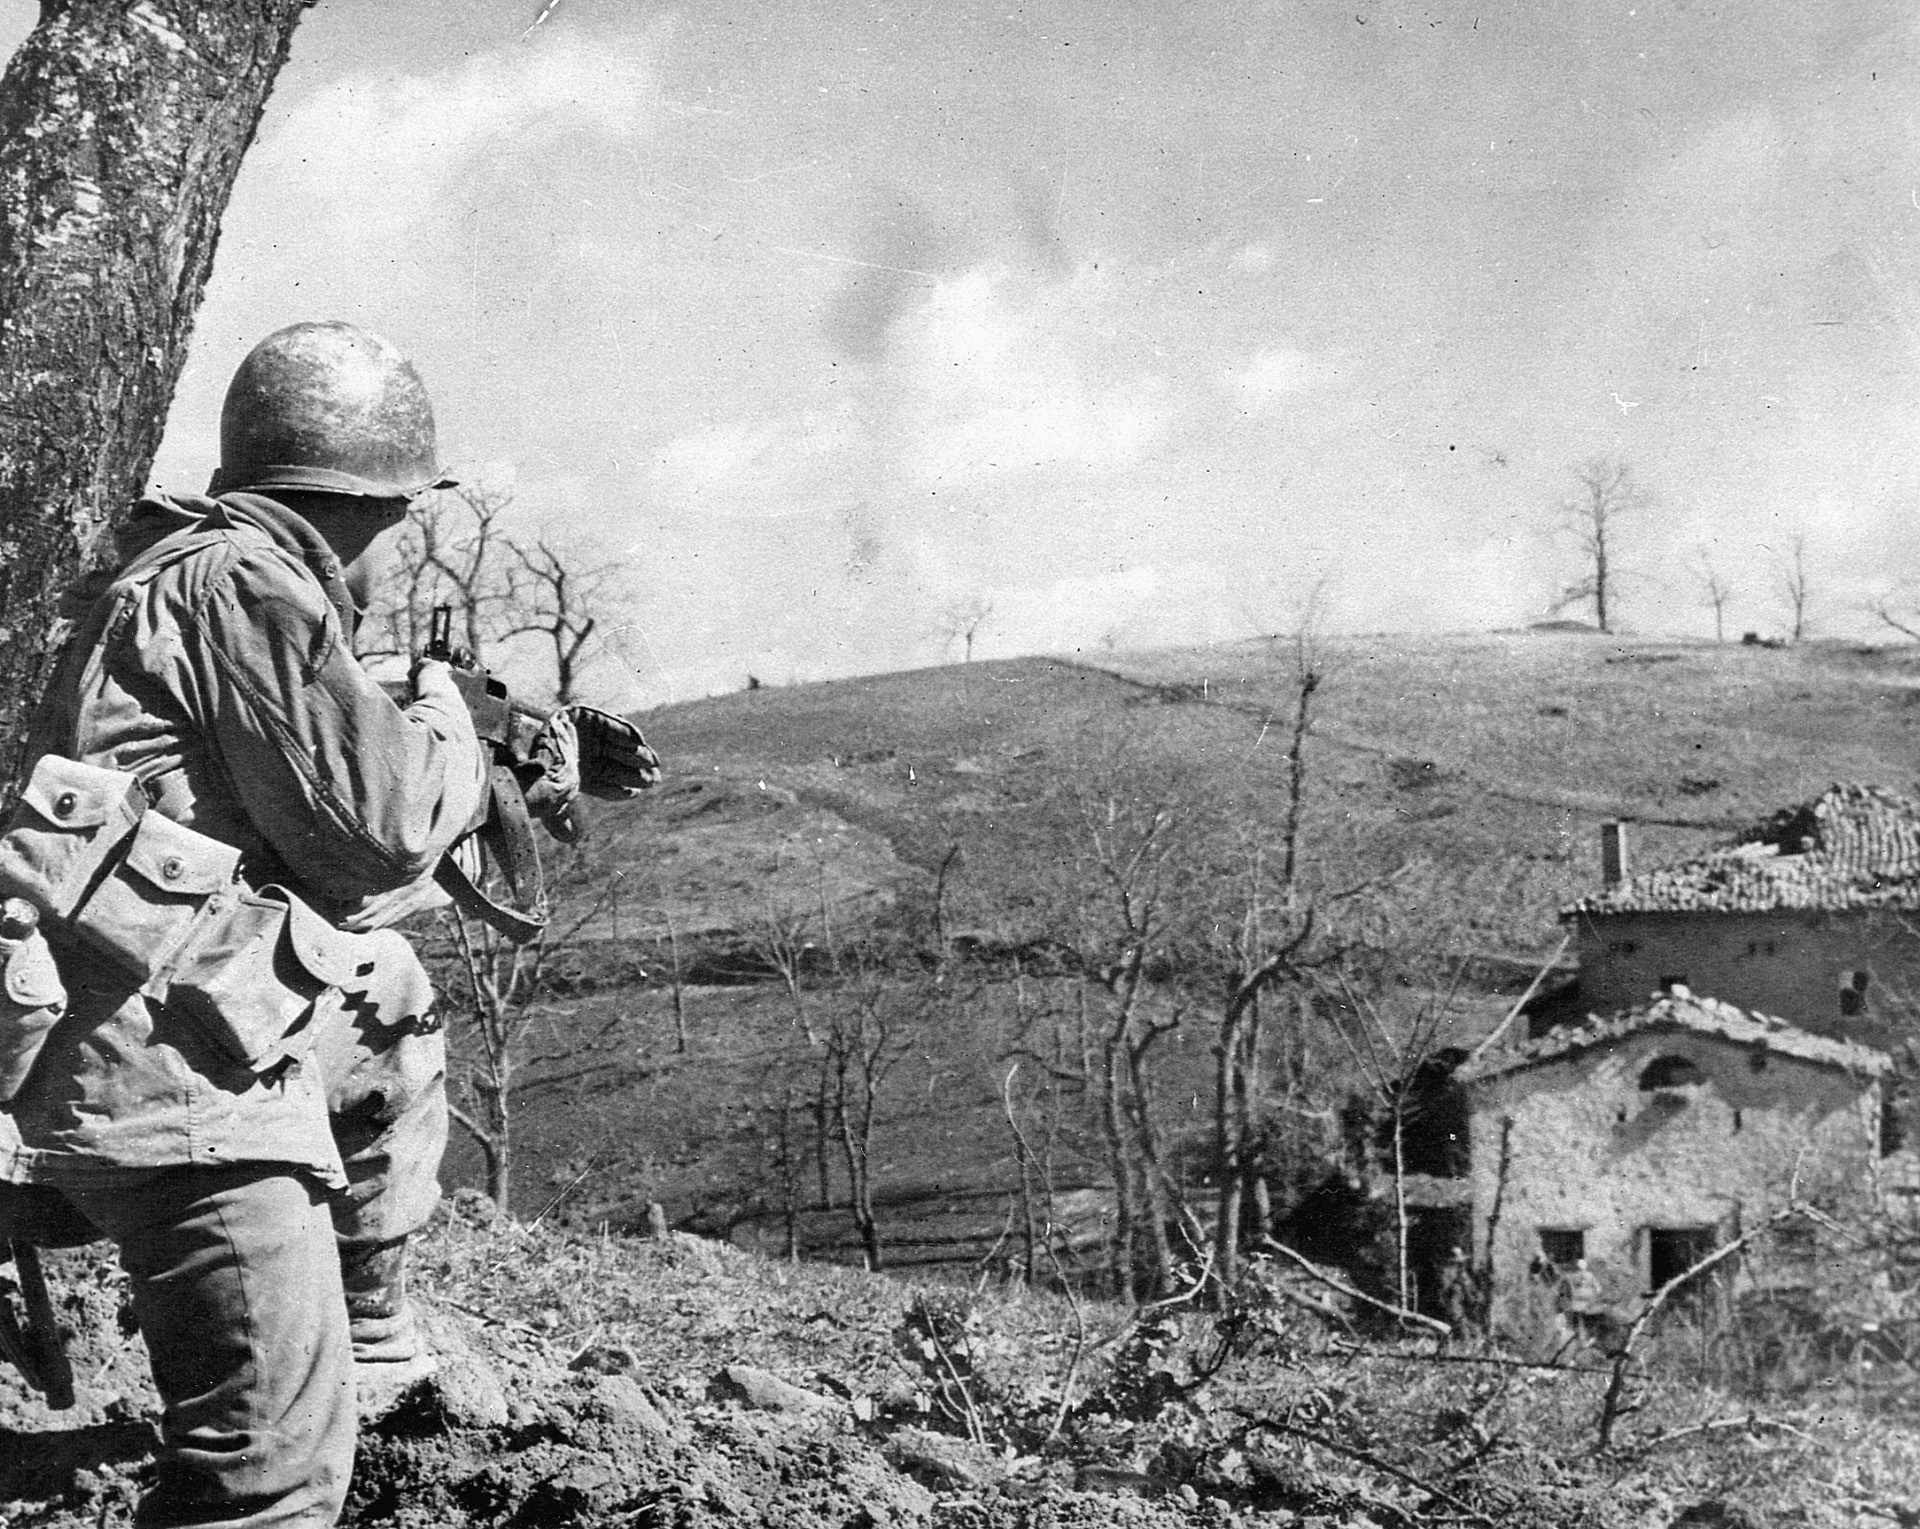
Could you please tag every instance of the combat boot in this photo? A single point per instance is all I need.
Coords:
(390, 1356)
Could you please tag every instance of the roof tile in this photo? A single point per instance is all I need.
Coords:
(1852, 847)
(1682, 1010)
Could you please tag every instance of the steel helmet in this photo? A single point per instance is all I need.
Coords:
(327, 408)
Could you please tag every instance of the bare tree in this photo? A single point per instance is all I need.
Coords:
(1392, 1058)
(1790, 577)
(121, 131)
(1272, 933)
(559, 600)
(863, 1046)
(500, 997)
(460, 549)
(1132, 844)
(843, 1025)
(961, 622)
(1607, 495)
(452, 551)
(1716, 592)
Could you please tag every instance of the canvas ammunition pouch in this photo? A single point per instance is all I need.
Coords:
(32, 1001)
(164, 906)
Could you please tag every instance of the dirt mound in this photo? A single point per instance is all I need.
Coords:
(684, 1384)
(523, 1424)
(503, 1436)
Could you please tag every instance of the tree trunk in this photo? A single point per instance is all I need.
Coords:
(1400, 1200)
(121, 130)
(1229, 1152)
(490, 1127)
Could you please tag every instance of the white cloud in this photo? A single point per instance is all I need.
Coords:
(379, 150)
(1252, 257)
(1076, 611)
(757, 469)
(1273, 374)
(1000, 375)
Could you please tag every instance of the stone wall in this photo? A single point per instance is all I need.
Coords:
(1575, 1144)
(1791, 965)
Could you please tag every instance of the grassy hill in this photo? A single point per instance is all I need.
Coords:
(1475, 769)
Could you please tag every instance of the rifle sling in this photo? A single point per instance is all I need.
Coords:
(470, 900)
(507, 836)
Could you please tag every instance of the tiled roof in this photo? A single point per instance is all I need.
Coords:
(1682, 1010)
(1853, 847)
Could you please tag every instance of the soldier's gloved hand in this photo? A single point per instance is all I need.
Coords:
(433, 680)
(384, 909)
(550, 778)
(615, 762)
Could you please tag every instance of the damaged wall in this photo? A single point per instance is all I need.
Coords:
(1576, 1145)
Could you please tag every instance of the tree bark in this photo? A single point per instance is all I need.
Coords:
(121, 131)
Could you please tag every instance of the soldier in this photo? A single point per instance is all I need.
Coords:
(257, 1118)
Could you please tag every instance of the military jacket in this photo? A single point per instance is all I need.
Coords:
(217, 666)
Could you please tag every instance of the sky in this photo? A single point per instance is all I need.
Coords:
(1127, 322)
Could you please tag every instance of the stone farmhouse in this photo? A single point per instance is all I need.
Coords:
(1734, 1018)
(1618, 1152)
(1813, 917)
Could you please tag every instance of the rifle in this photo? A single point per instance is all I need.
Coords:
(612, 762)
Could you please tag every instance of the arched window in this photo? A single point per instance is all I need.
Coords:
(1671, 1072)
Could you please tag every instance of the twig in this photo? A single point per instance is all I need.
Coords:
(984, 1265)
(1366, 1457)
(1497, 1361)
(976, 1430)
(1751, 1421)
(1611, 1407)
(575, 1184)
(1059, 1272)
(1320, 1308)
(1079, 1342)
(492, 1318)
(1432, 1324)
(1524, 999)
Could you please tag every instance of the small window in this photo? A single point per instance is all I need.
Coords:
(1671, 1072)
(1561, 1247)
(1671, 1251)
(1853, 993)
(1796, 1241)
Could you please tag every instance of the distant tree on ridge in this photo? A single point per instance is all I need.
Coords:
(1608, 494)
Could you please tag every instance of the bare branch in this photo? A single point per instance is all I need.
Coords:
(1314, 1271)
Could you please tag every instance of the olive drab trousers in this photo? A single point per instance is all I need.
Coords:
(236, 1281)
(236, 1286)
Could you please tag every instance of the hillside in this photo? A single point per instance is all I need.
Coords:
(913, 851)
(1479, 767)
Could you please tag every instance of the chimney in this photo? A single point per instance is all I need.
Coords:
(1613, 854)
